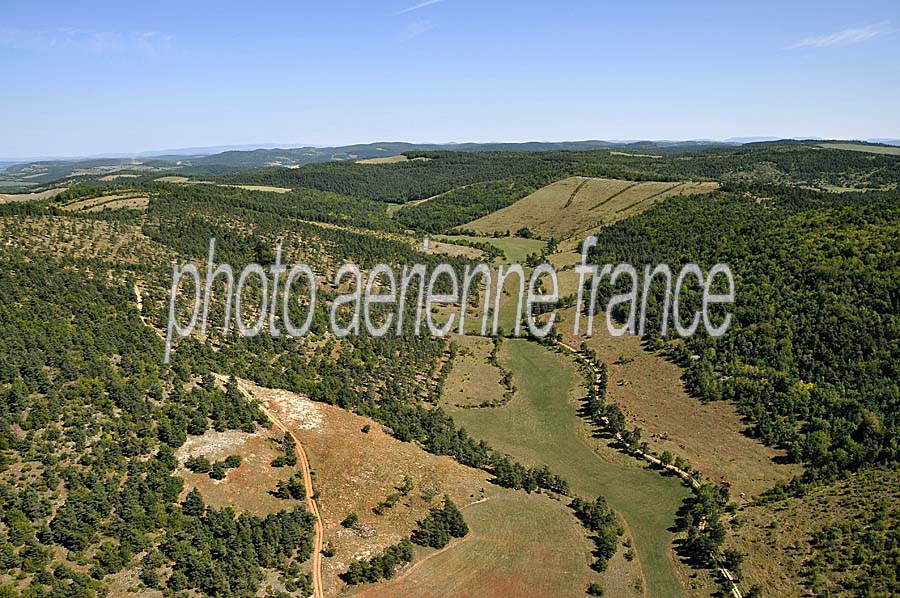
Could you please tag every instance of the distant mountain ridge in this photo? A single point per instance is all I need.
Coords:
(24, 174)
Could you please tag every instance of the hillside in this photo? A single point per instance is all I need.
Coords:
(576, 205)
(677, 452)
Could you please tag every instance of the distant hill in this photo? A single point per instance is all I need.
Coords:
(25, 174)
(885, 141)
(31, 173)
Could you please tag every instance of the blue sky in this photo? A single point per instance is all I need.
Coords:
(92, 77)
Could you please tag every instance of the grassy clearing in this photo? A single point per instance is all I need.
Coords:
(453, 249)
(473, 380)
(710, 436)
(134, 201)
(14, 197)
(245, 488)
(115, 177)
(264, 188)
(384, 160)
(16, 187)
(515, 248)
(633, 155)
(541, 426)
(394, 208)
(182, 180)
(533, 544)
(863, 147)
(578, 204)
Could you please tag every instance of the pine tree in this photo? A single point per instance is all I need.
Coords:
(193, 505)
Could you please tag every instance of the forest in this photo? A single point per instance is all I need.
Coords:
(434, 173)
(812, 354)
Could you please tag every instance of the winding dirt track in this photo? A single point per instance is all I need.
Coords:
(301, 456)
(310, 501)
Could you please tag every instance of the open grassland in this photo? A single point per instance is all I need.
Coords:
(540, 425)
(389, 160)
(578, 204)
(355, 470)
(473, 379)
(519, 545)
(13, 197)
(826, 542)
(118, 201)
(516, 249)
(264, 188)
(862, 147)
(650, 392)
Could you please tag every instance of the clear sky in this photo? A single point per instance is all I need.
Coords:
(82, 78)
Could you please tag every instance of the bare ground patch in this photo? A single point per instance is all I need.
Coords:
(245, 488)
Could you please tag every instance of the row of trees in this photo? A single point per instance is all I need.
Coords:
(602, 522)
(381, 566)
(440, 526)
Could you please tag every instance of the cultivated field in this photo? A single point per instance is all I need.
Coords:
(540, 425)
(518, 545)
(578, 204)
(516, 249)
(862, 147)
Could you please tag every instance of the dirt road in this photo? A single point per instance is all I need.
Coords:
(310, 503)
